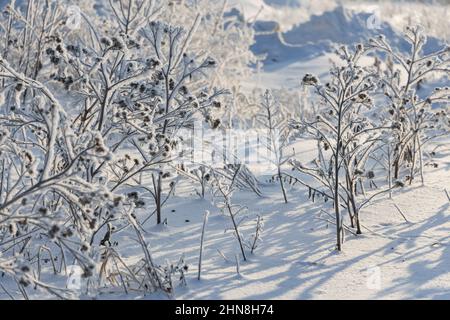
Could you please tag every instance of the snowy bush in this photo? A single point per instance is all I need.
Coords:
(415, 114)
(88, 115)
(272, 119)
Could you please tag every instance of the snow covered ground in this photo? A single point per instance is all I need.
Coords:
(404, 251)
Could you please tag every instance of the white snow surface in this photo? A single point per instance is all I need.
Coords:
(298, 37)
(297, 259)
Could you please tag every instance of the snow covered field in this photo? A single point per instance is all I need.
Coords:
(98, 198)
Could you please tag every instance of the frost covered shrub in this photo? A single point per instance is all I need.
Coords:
(89, 116)
(271, 118)
(292, 103)
(45, 199)
(223, 193)
(221, 33)
(139, 88)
